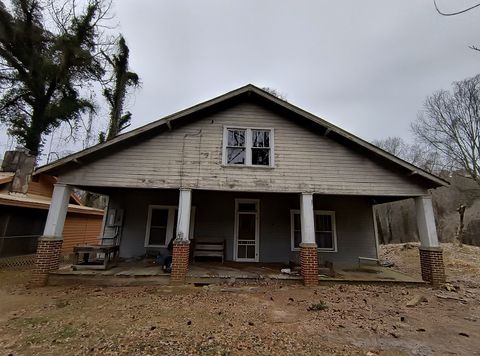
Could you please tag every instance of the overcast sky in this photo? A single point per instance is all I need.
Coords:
(365, 66)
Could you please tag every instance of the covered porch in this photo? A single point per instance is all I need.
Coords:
(204, 273)
(258, 230)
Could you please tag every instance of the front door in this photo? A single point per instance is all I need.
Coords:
(246, 230)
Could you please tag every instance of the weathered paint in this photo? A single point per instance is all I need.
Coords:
(57, 211)
(190, 156)
(427, 229)
(215, 219)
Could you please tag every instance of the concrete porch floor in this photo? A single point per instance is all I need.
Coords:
(144, 272)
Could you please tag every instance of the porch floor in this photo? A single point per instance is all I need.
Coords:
(216, 272)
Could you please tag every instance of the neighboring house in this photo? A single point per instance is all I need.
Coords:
(23, 216)
(273, 181)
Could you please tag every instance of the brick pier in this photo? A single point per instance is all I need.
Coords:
(47, 259)
(309, 264)
(431, 262)
(180, 259)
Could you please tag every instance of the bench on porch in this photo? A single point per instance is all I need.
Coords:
(209, 248)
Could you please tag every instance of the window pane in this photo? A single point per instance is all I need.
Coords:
(261, 156)
(296, 221)
(323, 223)
(158, 236)
(159, 217)
(297, 238)
(324, 239)
(247, 207)
(236, 138)
(236, 155)
(260, 138)
(242, 251)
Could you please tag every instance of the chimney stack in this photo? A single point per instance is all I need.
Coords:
(22, 164)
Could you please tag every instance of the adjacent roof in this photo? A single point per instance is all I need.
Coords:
(41, 202)
(250, 90)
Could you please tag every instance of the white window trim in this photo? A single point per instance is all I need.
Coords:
(316, 212)
(248, 147)
(170, 224)
(257, 230)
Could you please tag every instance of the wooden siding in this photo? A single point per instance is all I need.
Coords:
(80, 229)
(191, 156)
(215, 219)
(43, 187)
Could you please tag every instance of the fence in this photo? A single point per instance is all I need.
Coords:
(18, 251)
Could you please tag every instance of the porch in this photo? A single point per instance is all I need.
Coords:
(200, 273)
(268, 229)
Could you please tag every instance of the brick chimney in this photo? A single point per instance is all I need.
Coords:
(22, 164)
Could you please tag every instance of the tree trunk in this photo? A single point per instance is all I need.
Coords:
(461, 213)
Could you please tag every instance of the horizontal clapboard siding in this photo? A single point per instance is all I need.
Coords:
(191, 156)
(80, 229)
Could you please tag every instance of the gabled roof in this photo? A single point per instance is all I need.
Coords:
(250, 90)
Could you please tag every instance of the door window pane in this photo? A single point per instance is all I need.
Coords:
(251, 251)
(250, 207)
(246, 226)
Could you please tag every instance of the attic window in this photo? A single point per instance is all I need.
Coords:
(248, 147)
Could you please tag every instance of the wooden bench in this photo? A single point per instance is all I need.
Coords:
(205, 248)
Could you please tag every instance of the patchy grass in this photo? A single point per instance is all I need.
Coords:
(318, 306)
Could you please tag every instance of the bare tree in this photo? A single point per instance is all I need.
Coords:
(450, 125)
(416, 154)
(275, 92)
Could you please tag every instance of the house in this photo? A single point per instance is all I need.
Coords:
(23, 213)
(273, 181)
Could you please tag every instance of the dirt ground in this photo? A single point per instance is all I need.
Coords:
(262, 319)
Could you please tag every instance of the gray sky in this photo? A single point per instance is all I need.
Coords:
(366, 66)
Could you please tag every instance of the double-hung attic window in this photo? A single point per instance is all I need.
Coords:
(248, 147)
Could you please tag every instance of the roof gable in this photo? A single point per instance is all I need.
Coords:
(329, 130)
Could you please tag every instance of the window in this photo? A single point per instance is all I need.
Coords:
(325, 234)
(162, 225)
(248, 147)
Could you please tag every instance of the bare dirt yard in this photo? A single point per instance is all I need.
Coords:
(265, 319)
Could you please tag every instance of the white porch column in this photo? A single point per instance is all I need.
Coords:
(57, 212)
(426, 222)
(307, 218)
(431, 255)
(184, 208)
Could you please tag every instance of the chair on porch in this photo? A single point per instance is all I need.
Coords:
(104, 255)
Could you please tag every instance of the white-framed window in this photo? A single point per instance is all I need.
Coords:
(325, 230)
(162, 225)
(248, 147)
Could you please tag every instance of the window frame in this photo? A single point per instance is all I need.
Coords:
(315, 212)
(248, 147)
(170, 224)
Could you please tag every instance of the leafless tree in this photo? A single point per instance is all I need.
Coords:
(450, 125)
(416, 154)
(275, 92)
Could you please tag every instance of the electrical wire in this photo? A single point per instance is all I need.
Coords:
(454, 13)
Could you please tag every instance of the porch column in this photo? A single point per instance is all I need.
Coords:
(50, 244)
(308, 246)
(431, 256)
(181, 244)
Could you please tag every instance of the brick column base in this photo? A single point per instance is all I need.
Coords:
(309, 264)
(431, 262)
(180, 258)
(47, 259)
